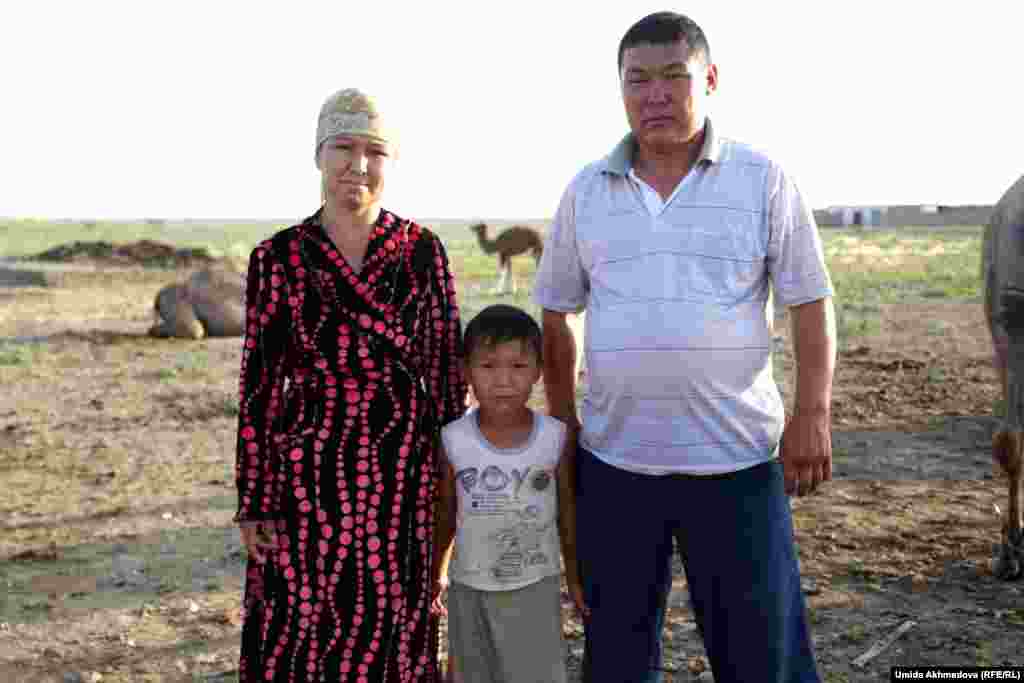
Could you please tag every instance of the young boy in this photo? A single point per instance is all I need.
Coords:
(506, 498)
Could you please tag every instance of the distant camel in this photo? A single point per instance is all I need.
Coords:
(519, 239)
(209, 303)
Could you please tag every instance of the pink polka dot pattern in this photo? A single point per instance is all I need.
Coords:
(345, 380)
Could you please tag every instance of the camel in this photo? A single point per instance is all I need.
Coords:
(209, 303)
(519, 239)
(1003, 279)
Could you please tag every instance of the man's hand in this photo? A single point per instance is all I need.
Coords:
(576, 595)
(807, 439)
(258, 538)
(806, 453)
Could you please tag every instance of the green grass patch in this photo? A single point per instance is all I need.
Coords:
(14, 354)
(858, 577)
(857, 320)
(836, 677)
(856, 633)
(175, 561)
(187, 364)
(899, 266)
(192, 362)
(229, 405)
(904, 265)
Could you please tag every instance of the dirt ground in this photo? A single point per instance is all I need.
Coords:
(118, 561)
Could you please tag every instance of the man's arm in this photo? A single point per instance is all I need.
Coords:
(807, 440)
(814, 346)
(560, 368)
(566, 478)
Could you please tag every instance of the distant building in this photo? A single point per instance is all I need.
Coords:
(900, 215)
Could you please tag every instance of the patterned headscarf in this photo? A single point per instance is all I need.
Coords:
(351, 112)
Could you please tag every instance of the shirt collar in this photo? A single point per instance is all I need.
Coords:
(620, 160)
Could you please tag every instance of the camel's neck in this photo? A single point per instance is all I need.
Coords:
(487, 244)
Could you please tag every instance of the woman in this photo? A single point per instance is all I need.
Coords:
(350, 366)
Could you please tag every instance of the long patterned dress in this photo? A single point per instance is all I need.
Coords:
(346, 379)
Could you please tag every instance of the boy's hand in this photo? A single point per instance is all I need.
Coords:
(437, 606)
(258, 538)
(576, 595)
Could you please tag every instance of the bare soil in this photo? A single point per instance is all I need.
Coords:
(118, 558)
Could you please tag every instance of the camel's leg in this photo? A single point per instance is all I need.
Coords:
(1013, 315)
(1008, 443)
(503, 268)
(998, 335)
(1013, 468)
(1007, 452)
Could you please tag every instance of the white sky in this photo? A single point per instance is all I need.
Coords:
(208, 109)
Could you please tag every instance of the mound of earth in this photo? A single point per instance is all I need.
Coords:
(143, 253)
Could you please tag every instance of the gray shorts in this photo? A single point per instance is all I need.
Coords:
(512, 636)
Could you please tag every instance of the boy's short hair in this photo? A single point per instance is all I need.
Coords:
(500, 323)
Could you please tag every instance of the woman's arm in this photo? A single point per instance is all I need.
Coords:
(446, 380)
(445, 514)
(260, 382)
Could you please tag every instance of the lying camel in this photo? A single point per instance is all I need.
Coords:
(209, 303)
(1003, 277)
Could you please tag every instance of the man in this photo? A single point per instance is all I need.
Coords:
(673, 243)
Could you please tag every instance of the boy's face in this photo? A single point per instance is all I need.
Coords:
(503, 375)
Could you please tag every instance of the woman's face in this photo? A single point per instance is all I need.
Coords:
(353, 170)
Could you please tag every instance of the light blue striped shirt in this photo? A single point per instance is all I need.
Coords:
(678, 315)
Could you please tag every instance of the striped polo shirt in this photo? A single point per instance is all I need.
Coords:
(678, 305)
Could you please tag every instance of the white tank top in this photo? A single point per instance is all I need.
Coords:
(507, 530)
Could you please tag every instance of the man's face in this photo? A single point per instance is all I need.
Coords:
(354, 169)
(665, 91)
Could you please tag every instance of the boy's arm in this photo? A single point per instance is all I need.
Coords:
(566, 480)
(445, 513)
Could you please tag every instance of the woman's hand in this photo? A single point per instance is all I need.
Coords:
(437, 595)
(258, 537)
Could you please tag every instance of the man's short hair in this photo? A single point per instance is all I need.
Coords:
(500, 323)
(662, 28)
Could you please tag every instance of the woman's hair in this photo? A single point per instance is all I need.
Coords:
(502, 323)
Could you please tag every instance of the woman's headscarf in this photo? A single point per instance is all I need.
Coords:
(351, 112)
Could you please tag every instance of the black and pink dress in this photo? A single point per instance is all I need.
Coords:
(346, 380)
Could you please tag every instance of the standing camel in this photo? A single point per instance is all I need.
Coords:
(1003, 278)
(518, 239)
